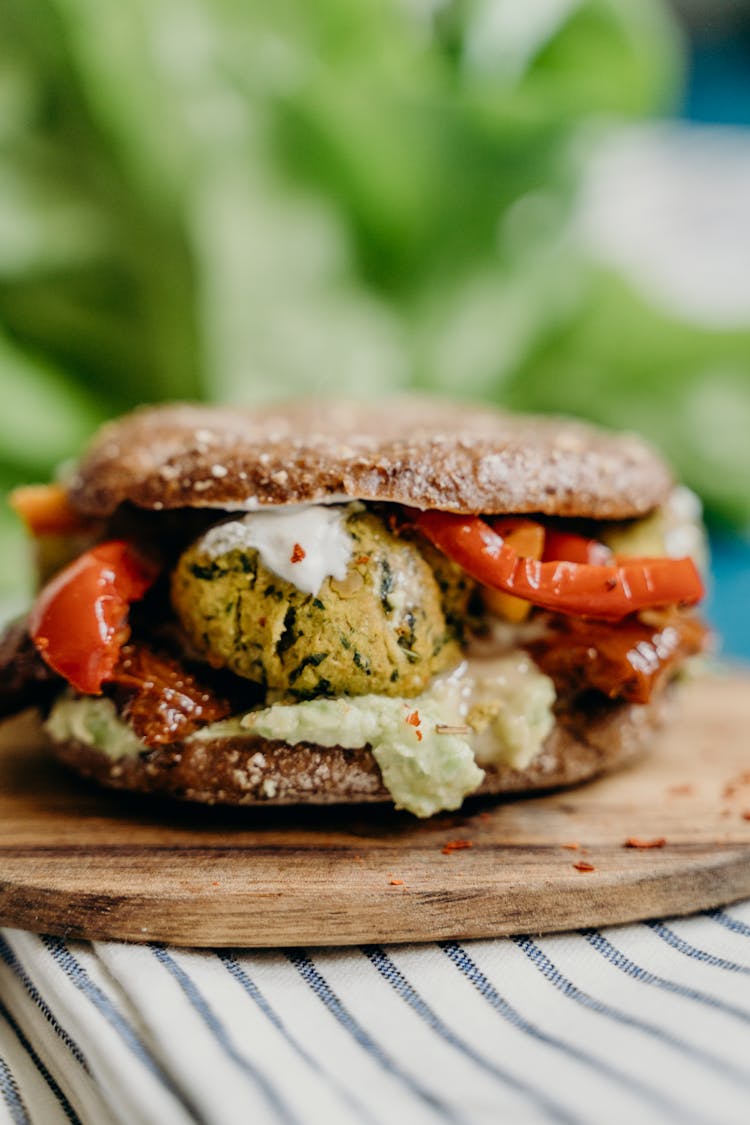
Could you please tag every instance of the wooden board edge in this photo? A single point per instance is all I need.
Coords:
(424, 916)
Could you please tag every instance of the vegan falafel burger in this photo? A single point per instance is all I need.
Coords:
(332, 602)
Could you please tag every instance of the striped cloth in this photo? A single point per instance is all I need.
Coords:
(646, 1023)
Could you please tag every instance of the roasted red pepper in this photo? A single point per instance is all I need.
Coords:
(79, 621)
(609, 592)
(532, 539)
(564, 546)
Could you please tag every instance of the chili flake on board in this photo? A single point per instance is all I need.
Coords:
(638, 842)
(456, 846)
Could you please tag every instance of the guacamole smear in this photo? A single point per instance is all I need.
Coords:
(424, 768)
(430, 749)
(675, 529)
(93, 721)
(509, 710)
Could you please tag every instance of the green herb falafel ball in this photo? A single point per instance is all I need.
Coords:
(380, 629)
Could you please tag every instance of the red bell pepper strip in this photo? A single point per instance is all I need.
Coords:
(581, 589)
(558, 545)
(564, 546)
(79, 621)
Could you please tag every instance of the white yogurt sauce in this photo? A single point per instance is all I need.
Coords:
(314, 536)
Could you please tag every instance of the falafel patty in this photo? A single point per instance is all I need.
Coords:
(380, 629)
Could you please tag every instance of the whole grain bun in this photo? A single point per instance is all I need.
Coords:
(245, 771)
(424, 453)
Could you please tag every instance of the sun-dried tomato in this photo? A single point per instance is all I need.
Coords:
(625, 660)
(162, 701)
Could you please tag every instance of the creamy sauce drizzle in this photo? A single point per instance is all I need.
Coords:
(303, 545)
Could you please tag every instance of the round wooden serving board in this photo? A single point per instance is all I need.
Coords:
(87, 863)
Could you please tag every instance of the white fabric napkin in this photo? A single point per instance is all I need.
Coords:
(646, 1023)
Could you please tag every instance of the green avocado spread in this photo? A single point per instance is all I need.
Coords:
(428, 747)
(93, 721)
(424, 768)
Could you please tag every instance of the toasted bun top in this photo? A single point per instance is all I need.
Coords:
(425, 453)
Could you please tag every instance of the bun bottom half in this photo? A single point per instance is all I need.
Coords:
(255, 771)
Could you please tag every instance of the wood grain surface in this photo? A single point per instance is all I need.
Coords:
(87, 863)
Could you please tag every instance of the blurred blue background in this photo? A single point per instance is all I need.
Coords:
(718, 93)
(540, 205)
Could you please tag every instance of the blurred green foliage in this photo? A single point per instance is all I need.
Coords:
(236, 200)
(627, 365)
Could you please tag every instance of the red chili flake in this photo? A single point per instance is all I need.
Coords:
(397, 882)
(573, 846)
(298, 553)
(361, 560)
(582, 865)
(413, 719)
(746, 814)
(732, 786)
(638, 842)
(419, 735)
(456, 846)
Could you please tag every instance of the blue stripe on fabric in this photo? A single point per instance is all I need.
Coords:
(488, 992)
(77, 974)
(676, 942)
(10, 959)
(550, 971)
(12, 1095)
(322, 989)
(729, 923)
(63, 1102)
(220, 1034)
(620, 961)
(233, 967)
(409, 994)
